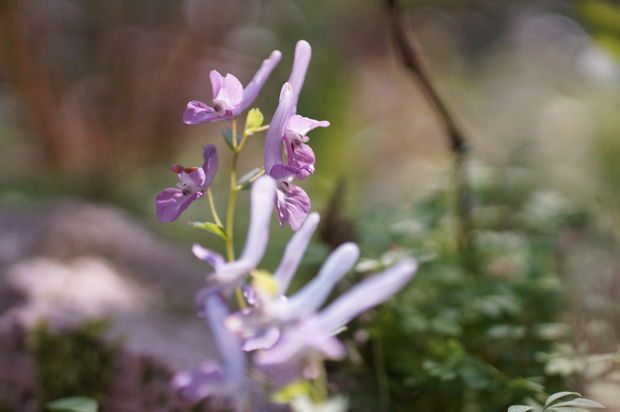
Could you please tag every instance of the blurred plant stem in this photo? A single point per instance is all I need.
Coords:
(413, 58)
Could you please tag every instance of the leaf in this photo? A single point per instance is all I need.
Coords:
(210, 227)
(245, 179)
(253, 121)
(586, 403)
(603, 21)
(520, 408)
(566, 409)
(227, 134)
(73, 404)
(559, 395)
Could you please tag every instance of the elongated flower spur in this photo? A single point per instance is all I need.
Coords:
(298, 126)
(292, 202)
(229, 97)
(230, 274)
(194, 182)
(312, 337)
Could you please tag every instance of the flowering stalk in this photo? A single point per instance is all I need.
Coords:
(230, 252)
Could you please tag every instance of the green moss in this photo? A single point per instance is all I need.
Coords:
(77, 362)
(5, 407)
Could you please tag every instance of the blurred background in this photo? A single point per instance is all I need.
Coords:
(92, 94)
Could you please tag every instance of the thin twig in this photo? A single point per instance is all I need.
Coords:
(413, 58)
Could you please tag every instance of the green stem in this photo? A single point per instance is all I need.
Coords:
(230, 250)
(319, 385)
(262, 172)
(213, 211)
(382, 379)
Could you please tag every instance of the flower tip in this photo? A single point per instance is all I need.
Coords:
(349, 250)
(302, 44)
(313, 218)
(409, 264)
(275, 55)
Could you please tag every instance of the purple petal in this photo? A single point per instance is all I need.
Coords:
(302, 125)
(217, 82)
(264, 341)
(263, 192)
(284, 173)
(293, 206)
(298, 342)
(310, 298)
(250, 295)
(196, 177)
(227, 343)
(213, 258)
(303, 52)
(367, 294)
(230, 91)
(273, 139)
(252, 89)
(171, 203)
(210, 164)
(304, 160)
(198, 112)
(225, 385)
(199, 383)
(294, 252)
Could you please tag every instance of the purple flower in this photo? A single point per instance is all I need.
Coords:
(312, 337)
(232, 273)
(302, 155)
(229, 97)
(298, 126)
(194, 181)
(226, 384)
(292, 202)
(272, 310)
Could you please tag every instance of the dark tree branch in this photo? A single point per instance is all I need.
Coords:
(413, 58)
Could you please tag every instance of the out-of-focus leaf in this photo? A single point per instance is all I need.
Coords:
(586, 403)
(73, 404)
(253, 121)
(210, 227)
(603, 19)
(245, 179)
(520, 408)
(559, 395)
(562, 409)
(299, 388)
(227, 134)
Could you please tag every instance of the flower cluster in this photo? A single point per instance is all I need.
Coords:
(293, 333)
(288, 128)
(287, 336)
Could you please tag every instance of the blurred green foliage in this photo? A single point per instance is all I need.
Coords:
(76, 362)
(459, 338)
(603, 20)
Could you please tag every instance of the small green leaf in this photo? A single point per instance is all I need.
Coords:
(248, 176)
(210, 227)
(253, 121)
(520, 408)
(73, 404)
(559, 395)
(580, 402)
(227, 134)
